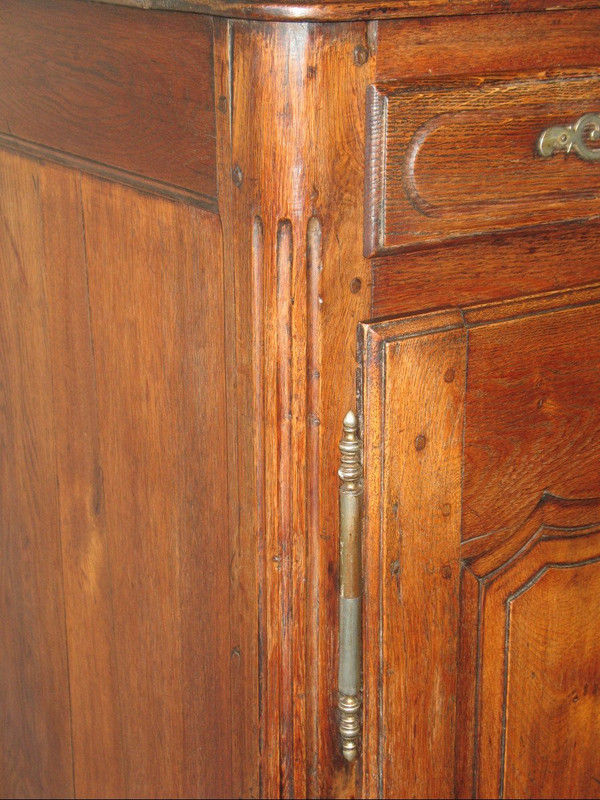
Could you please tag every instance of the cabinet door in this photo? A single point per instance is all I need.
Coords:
(482, 546)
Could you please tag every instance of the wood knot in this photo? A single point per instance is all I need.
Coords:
(361, 55)
(237, 175)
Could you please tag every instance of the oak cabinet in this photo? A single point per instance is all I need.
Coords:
(201, 203)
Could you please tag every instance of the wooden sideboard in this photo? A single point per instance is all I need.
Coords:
(225, 224)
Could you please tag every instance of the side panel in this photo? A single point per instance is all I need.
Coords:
(133, 399)
(122, 88)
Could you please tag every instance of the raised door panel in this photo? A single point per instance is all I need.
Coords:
(535, 679)
(482, 432)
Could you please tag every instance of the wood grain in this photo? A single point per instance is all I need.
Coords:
(534, 602)
(528, 590)
(290, 235)
(491, 267)
(553, 698)
(98, 756)
(176, 385)
(115, 405)
(138, 95)
(425, 188)
(246, 535)
(35, 728)
(348, 10)
(486, 269)
(527, 383)
(157, 324)
(534, 738)
(487, 45)
(416, 382)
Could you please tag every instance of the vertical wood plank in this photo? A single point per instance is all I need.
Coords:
(35, 737)
(97, 743)
(155, 283)
(205, 580)
(244, 473)
(424, 412)
(414, 373)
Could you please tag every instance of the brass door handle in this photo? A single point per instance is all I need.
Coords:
(572, 138)
(350, 599)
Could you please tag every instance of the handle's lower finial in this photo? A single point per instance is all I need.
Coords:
(349, 707)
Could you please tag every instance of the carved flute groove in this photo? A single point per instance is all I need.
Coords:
(350, 633)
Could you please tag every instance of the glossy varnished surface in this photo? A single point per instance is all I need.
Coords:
(338, 10)
(174, 410)
(479, 267)
(413, 394)
(554, 696)
(456, 158)
(292, 189)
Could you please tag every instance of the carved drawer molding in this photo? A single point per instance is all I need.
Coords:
(451, 158)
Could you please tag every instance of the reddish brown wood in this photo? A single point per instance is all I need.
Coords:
(454, 158)
(486, 268)
(539, 391)
(523, 683)
(487, 45)
(98, 755)
(35, 728)
(112, 85)
(157, 325)
(536, 573)
(120, 342)
(413, 412)
(290, 235)
(345, 10)
(190, 373)
(553, 697)
(245, 524)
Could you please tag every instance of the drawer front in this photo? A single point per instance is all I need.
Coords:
(452, 159)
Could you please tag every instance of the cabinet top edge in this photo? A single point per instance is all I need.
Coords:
(348, 10)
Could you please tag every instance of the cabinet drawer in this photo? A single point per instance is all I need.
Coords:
(454, 158)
